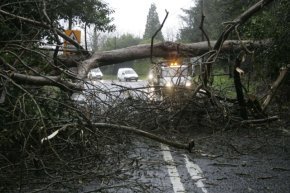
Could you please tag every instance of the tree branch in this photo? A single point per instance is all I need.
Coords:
(125, 54)
(188, 146)
(274, 87)
(46, 26)
(45, 80)
(159, 50)
(158, 30)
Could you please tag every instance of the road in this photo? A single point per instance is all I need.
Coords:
(239, 163)
(106, 90)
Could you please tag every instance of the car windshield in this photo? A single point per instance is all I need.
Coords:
(174, 71)
(129, 72)
(96, 70)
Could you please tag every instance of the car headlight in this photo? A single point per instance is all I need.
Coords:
(188, 84)
(150, 76)
(168, 84)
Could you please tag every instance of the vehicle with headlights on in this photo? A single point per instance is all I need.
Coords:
(171, 78)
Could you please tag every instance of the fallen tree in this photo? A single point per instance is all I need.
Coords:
(126, 54)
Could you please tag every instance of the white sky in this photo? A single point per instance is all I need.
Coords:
(130, 15)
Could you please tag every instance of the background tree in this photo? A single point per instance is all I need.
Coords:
(152, 25)
(215, 12)
(117, 42)
(94, 12)
(86, 13)
(273, 24)
(121, 41)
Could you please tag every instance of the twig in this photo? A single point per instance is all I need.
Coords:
(56, 132)
(241, 42)
(225, 164)
(201, 27)
(109, 187)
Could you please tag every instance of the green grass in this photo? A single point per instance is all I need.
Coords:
(225, 85)
(109, 77)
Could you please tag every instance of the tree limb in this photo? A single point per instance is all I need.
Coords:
(257, 121)
(283, 72)
(126, 54)
(46, 26)
(45, 80)
(159, 50)
(158, 30)
(188, 146)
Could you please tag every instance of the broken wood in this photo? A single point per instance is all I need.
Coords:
(134, 130)
(239, 87)
(274, 87)
(258, 121)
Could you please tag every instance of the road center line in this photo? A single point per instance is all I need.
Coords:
(195, 172)
(172, 170)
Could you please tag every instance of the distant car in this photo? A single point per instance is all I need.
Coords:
(79, 99)
(95, 73)
(127, 74)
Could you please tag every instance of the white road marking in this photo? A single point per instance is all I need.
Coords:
(172, 170)
(195, 173)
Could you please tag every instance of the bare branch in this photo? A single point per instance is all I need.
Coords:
(158, 30)
(45, 80)
(201, 26)
(46, 26)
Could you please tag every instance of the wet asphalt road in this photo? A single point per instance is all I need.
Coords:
(211, 168)
(201, 172)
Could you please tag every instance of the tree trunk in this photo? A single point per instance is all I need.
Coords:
(86, 43)
(239, 89)
(70, 21)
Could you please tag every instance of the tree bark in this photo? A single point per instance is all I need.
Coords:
(239, 90)
(159, 50)
(142, 133)
(45, 80)
(274, 87)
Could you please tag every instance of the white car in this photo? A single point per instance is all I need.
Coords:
(95, 73)
(79, 99)
(127, 74)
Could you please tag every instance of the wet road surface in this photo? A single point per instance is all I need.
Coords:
(212, 168)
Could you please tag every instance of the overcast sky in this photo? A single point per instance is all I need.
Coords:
(130, 15)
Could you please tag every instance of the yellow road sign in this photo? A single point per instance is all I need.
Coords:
(74, 35)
